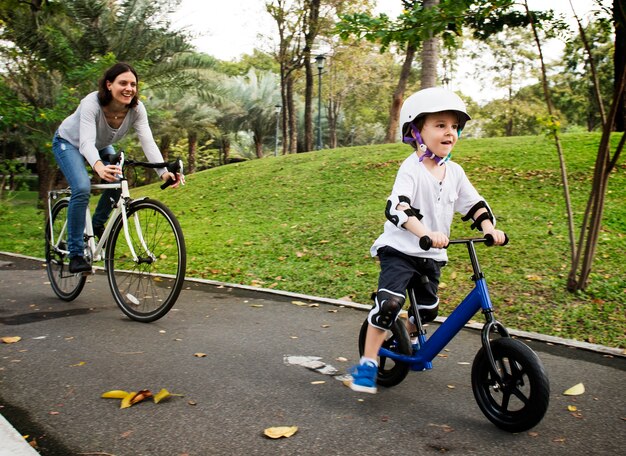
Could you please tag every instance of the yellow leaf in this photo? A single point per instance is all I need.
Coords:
(163, 394)
(115, 394)
(157, 279)
(126, 401)
(318, 382)
(575, 390)
(299, 303)
(571, 408)
(280, 431)
(133, 398)
(199, 355)
(11, 340)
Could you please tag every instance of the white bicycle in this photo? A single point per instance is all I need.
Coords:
(142, 247)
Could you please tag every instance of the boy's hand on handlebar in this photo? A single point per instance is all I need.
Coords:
(108, 173)
(499, 238)
(438, 239)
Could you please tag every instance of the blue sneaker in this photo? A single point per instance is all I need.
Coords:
(364, 378)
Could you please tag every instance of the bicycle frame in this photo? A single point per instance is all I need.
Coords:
(119, 208)
(476, 299)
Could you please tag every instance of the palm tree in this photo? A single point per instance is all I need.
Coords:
(257, 95)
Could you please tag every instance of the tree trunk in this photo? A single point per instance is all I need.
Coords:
(429, 55)
(398, 95)
(555, 134)
(192, 138)
(164, 146)
(293, 118)
(225, 150)
(310, 29)
(592, 219)
(47, 172)
(619, 59)
(258, 146)
(308, 102)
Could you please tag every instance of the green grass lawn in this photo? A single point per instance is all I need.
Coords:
(305, 223)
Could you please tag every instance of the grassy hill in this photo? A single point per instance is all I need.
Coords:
(305, 222)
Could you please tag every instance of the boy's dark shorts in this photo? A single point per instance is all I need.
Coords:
(398, 273)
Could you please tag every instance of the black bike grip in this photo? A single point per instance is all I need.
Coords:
(173, 168)
(426, 243)
(490, 241)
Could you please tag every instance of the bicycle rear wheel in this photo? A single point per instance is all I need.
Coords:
(65, 285)
(146, 289)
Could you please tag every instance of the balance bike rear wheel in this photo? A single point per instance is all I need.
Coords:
(390, 372)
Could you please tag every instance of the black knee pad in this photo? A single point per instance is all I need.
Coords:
(387, 306)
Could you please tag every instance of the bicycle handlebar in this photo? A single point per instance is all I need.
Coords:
(426, 243)
(174, 167)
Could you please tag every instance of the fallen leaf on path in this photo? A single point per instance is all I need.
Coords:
(115, 394)
(11, 339)
(199, 355)
(572, 408)
(126, 400)
(163, 394)
(280, 431)
(318, 382)
(575, 390)
(134, 398)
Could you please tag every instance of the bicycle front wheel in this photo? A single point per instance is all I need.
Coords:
(65, 285)
(146, 287)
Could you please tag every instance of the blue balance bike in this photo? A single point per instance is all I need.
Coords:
(509, 381)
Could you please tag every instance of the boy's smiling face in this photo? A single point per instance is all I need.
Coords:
(440, 132)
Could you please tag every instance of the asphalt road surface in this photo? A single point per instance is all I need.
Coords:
(252, 378)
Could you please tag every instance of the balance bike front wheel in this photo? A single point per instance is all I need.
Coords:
(520, 399)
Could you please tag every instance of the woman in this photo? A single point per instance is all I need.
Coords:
(101, 119)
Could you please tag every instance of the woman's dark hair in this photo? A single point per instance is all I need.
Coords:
(104, 95)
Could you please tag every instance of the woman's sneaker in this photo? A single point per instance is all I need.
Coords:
(79, 264)
(364, 378)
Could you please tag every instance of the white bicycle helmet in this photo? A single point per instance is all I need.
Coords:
(427, 101)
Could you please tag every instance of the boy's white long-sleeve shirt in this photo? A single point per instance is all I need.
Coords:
(87, 129)
(437, 202)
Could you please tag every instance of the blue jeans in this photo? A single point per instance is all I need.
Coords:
(72, 164)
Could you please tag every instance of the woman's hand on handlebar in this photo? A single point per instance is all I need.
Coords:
(176, 179)
(108, 173)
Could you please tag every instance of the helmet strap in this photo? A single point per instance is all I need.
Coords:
(426, 152)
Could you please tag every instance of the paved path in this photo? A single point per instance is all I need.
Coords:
(70, 353)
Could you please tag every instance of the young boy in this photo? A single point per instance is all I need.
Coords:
(428, 189)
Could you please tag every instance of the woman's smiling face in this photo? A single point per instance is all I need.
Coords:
(123, 88)
(440, 132)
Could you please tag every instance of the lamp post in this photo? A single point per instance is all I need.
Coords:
(277, 111)
(320, 65)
